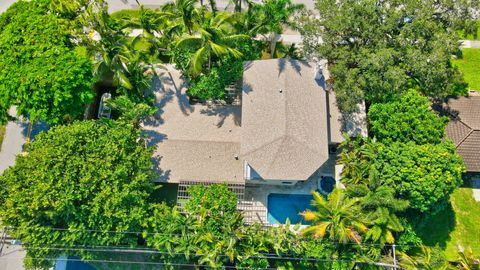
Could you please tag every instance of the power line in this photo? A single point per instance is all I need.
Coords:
(155, 263)
(173, 234)
(266, 255)
(169, 234)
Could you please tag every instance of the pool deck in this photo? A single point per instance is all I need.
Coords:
(255, 203)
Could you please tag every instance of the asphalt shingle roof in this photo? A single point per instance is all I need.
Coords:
(284, 119)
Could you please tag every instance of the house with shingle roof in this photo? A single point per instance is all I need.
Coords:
(279, 138)
(283, 131)
(464, 128)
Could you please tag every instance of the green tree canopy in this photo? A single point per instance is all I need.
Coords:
(41, 70)
(409, 118)
(377, 49)
(85, 176)
(424, 175)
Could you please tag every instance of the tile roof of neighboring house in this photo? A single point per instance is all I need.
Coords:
(464, 128)
(284, 119)
(194, 142)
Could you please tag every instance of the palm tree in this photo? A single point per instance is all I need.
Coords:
(379, 204)
(423, 261)
(466, 260)
(275, 14)
(336, 218)
(213, 38)
(182, 15)
(356, 156)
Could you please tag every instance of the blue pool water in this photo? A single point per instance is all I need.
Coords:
(283, 206)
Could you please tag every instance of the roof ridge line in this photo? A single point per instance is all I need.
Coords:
(306, 146)
(164, 140)
(276, 154)
(261, 146)
(468, 135)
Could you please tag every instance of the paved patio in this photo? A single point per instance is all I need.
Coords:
(256, 196)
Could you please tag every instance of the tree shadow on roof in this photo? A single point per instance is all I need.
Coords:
(160, 175)
(167, 91)
(223, 112)
(296, 65)
(153, 137)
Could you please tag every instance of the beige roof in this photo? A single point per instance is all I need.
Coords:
(194, 142)
(354, 124)
(464, 128)
(284, 119)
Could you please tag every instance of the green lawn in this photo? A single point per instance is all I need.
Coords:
(2, 133)
(469, 65)
(458, 224)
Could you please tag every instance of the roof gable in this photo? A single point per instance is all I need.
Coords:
(284, 119)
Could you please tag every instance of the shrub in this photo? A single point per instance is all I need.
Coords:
(409, 118)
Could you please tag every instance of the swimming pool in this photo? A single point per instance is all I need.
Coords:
(283, 206)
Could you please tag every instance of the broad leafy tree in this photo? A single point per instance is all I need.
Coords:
(377, 49)
(409, 118)
(41, 70)
(77, 185)
(425, 175)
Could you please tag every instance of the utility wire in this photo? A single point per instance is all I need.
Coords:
(267, 256)
(153, 263)
(173, 234)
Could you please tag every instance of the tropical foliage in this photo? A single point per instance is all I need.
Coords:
(335, 218)
(212, 232)
(42, 72)
(408, 119)
(88, 175)
(378, 49)
(425, 175)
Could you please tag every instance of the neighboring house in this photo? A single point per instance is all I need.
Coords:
(282, 138)
(464, 128)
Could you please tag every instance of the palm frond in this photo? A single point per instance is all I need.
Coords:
(198, 60)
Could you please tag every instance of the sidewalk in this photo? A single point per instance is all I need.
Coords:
(470, 43)
(12, 258)
(15, 137)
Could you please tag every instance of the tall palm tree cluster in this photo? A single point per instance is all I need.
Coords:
(197, 38)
